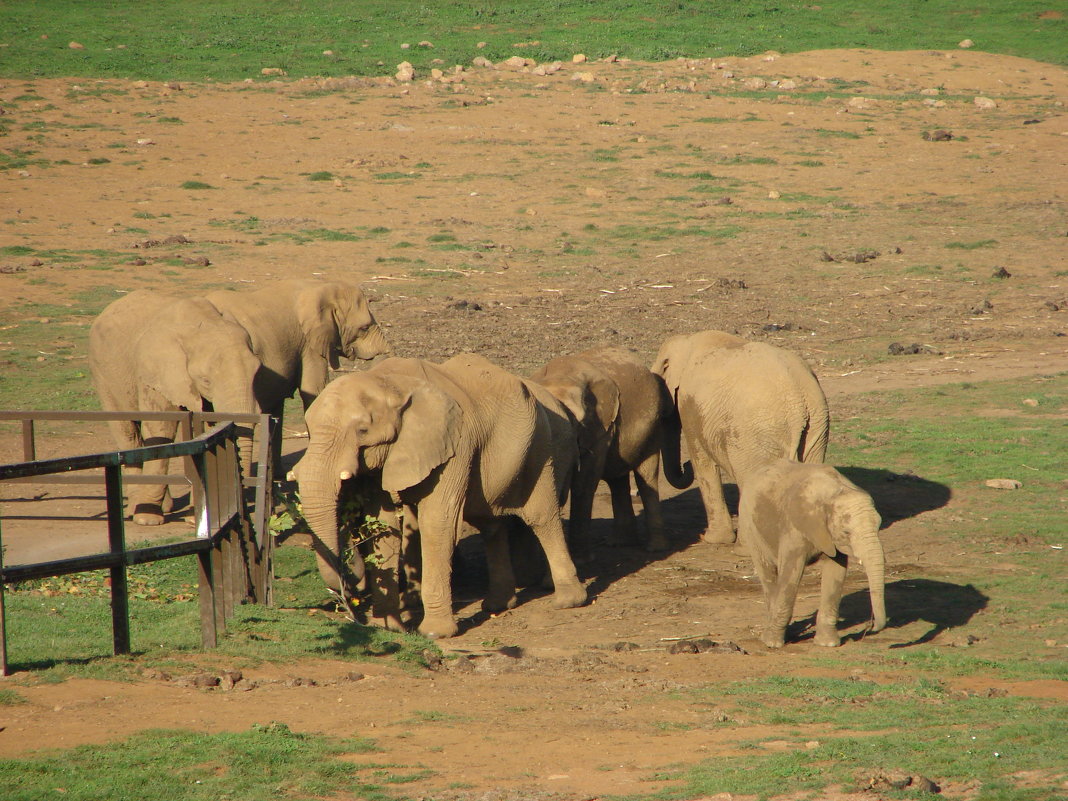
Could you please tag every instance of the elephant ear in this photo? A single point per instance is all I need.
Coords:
(429, 425)
(668, 371)
(164, 368)
(315, 308)
(809, 513)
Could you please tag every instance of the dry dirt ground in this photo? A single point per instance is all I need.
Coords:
(836, 203)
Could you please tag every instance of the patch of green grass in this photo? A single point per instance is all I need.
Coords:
(196, 185)
(9, 697)
(61, 626)
(188, 766)
(322, 175)
(981, 243)
(227, 40)
(397, 176)
(19, 159)
(985, 740)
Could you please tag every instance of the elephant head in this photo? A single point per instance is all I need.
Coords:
(393, 423)
(589, 395)
(337, 321)
(836, 516)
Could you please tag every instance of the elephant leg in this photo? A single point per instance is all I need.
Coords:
(150, 502)
(624, 530)
(647, 476)
(781, 597)
(542, 514)
(583, 488)
(832, 580)
(411, 568)
(276, 439)
(439, 531)
(706, 472)
(501, 593)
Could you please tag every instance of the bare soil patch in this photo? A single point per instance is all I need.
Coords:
(790, 198)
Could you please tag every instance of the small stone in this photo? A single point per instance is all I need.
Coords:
(578, 58)
(1003, 483)
(425, 43)
(984, 103)
(931, 91)
(481, 61)
(774, 195)
(925, 785)
(205, 681)
(788, 84)
(515, 61)
(405, 46)
(272, 71)
(354, 676)
(480, 45)
(1001, 272)
(1029, 402)
(584, 77)
(964, 44)
(76, 46)
(405, 71)
(328, 52)
(755, 83)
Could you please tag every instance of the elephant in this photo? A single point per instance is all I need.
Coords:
(460, 441)
(792, 514)
(742, 405)
(299, 329)
(153, 352)
(623, 419)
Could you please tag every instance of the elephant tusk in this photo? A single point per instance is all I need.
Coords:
(291, 476)
(345, 475)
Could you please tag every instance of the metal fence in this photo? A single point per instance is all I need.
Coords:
(233, 545)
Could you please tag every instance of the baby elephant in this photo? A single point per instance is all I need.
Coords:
(793, 514)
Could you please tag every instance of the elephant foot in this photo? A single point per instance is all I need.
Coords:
(148, 514)
(773, 639)
(719, 536)
(568, 597)
(387, 622)
(827, 639)
(494, 605)
(657, 543)
(437, 628)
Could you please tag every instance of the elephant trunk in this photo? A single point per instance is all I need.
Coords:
(679, 475)
(319, 488)
(868, 550)
(372, 343)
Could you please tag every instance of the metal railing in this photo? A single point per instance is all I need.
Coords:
(233, 546)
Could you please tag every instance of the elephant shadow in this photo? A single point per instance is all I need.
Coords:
(898, 496)
(941, 604)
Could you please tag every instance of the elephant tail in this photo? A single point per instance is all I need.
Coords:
(679, 475)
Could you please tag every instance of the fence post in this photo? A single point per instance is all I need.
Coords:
(3, 619)
(29, 444)
(120, 599)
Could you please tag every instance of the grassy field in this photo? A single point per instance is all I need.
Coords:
(229, 40)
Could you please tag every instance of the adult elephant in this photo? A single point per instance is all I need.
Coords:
(464, 440)
(154, 352)
(742, 405)
(793, 514)
(299, 329)
(624, 418)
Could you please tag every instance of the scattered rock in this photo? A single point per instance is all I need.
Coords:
(578, 58)
(755, 83)
(1003, 483)
(897, 349)
(704, 646)
(964, 44)
(1056, 305)
(481, 61)
(205, 680)
(624, 646)
(985, 103)
(466, 305)
(354, 676)
(462, 664)
(197, 261)
(731, 283)
(405, 71)
(899, 780)
(584, 77)
(272, 71)
(76, 46)
(11, 270)
(772, 327)
(1001, 272)
(432, 658)
(939, 135)
(176, 239)
(981, 308)
(517, 62)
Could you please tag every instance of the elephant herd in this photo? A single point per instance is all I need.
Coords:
(434, 446)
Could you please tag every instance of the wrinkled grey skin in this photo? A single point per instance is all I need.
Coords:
(299, 329)
(742, 405)
(792, 515)
(460, 441)
(155, 352)
(623, 419)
